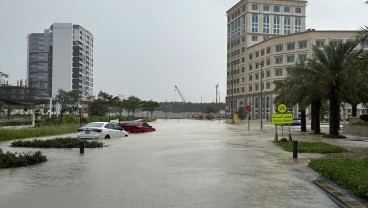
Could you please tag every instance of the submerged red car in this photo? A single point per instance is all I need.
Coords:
(137, 127)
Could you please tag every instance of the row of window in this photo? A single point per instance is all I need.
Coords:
(276, 24)
(275, 8)
(265, 86)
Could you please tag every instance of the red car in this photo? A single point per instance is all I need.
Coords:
(136, 127)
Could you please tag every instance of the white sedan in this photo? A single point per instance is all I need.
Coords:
(101, 130)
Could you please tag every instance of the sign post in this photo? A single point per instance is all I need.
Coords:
(281, 118)
(248, 108)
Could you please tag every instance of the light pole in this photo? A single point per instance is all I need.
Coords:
(261, 64)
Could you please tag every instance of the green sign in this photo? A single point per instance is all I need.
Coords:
(282, 118)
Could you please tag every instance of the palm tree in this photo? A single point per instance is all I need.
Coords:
(332, 69)
(298, 88)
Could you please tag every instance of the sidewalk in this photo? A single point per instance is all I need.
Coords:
(357, 147)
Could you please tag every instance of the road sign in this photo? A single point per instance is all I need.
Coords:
(282, 118)
(248, 108)
(281, 108)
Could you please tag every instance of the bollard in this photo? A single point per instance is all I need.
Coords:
(295, 148)
(81, 146)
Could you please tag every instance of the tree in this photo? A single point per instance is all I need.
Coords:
(242, 113)
(298, 88)
(3, 75)
(68, 101)
(121, 104)
(150, 106)
(109, 100)
(133, 103)
(332, 68)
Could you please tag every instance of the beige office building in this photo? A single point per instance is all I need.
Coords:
(271, 34)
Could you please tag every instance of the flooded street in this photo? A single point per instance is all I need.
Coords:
(183, 164)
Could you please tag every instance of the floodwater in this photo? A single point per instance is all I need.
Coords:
(183, 164)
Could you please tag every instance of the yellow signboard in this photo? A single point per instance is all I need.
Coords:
(282, 118)
(236, 117)
(281, 108)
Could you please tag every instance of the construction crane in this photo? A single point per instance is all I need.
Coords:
(181, 96)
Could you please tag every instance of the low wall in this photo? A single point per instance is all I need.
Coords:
(355, 130)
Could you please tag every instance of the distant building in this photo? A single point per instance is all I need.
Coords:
(61, 58)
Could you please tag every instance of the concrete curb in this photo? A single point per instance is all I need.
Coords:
(342, 199)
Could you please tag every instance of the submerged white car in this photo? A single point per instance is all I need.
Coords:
(101, 130)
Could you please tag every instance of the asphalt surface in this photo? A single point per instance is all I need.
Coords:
(185, 163)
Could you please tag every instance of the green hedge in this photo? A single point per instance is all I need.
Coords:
(56, 143)
(15, 123)
(11, 160)
(12, 134)
(311, 147)
(347, 172)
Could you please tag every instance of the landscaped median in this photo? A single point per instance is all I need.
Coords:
(349, 173)
(12, 160)
(12, 134)
(67, 142)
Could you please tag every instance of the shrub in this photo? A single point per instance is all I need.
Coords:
(15, 123)
(347, 172)
(311, 147)
(56, 143)
(10, 160)
(70, 119)
(364, 117)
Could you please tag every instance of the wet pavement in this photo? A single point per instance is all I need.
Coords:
(183, 164)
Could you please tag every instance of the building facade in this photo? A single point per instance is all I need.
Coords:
(264, 38)
(61, 58)
(250, 22)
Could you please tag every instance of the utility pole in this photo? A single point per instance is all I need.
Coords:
(261, 63)
(216, 91)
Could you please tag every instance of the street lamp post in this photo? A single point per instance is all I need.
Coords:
(261, 64)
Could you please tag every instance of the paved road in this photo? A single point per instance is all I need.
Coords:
(183, 164)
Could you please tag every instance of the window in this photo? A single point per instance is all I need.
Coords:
(262, 52)
(243, 69)
(302, 44)
(250, 78)
(268, 73)
(243, 59)
(268, 62)
(243, 79)
(254, 23)
(255, 7)
(278, 60)
(257, 76)
(268, 50)
(287, 9)
(290, 46)
(268, 85)
(250, 67)
(278, 72)
(266, 37)
(298, 24)
(320, 43)
(250, 88)
(266, 24)
(250, 56)
(243, 24)
(276, 25)
(286, 25)
(255, 38)
(242, 89)
(266, 7)
(290, 59)
(257, 54)
(243, 49)
(365, 44)
(279, 48)
(276, 8)
(298, 10)
(257, 86)
(336, 42)
(302, 57)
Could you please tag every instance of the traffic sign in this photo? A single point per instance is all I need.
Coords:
(248, 108)
(282, 119)
(281, 108)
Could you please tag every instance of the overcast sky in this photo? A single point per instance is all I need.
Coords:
(145, 48)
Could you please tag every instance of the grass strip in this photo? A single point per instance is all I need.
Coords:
(67, 142)
(311, 147)
(12, 160)
(351, 174)
(12, 134)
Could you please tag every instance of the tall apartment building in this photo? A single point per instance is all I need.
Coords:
(250, 22)
(61, 58)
